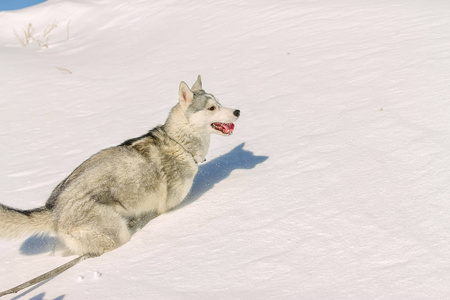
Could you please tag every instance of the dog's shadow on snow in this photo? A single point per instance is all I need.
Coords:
(209, 174)
(38, 244)
(219, 169)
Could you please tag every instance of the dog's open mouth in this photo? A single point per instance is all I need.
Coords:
(225, 128)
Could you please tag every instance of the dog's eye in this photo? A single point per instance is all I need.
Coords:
(212, 108)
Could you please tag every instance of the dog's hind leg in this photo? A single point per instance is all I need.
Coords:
(95, 233)
(137, 223)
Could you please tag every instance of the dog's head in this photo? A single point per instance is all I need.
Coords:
(204, 110)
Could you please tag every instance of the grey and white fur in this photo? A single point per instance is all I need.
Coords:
(94, 209)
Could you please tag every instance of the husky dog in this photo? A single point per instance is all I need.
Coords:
(92, 211)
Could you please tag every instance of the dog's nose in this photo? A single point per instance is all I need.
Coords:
(237, 112)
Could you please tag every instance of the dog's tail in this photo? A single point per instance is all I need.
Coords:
(18, 223)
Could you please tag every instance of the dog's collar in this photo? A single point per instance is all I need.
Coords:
(192, 155)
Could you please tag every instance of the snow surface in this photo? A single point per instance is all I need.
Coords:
(335, 184)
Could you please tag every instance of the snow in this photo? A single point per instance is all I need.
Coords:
(334, 184)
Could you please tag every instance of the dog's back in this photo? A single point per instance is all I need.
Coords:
(145, 175)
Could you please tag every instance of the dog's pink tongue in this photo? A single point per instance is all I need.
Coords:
(228, 128)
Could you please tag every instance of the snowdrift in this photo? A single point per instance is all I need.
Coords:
(333, 186)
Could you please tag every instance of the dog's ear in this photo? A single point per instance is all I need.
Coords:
(185, 95)
(198, 84)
